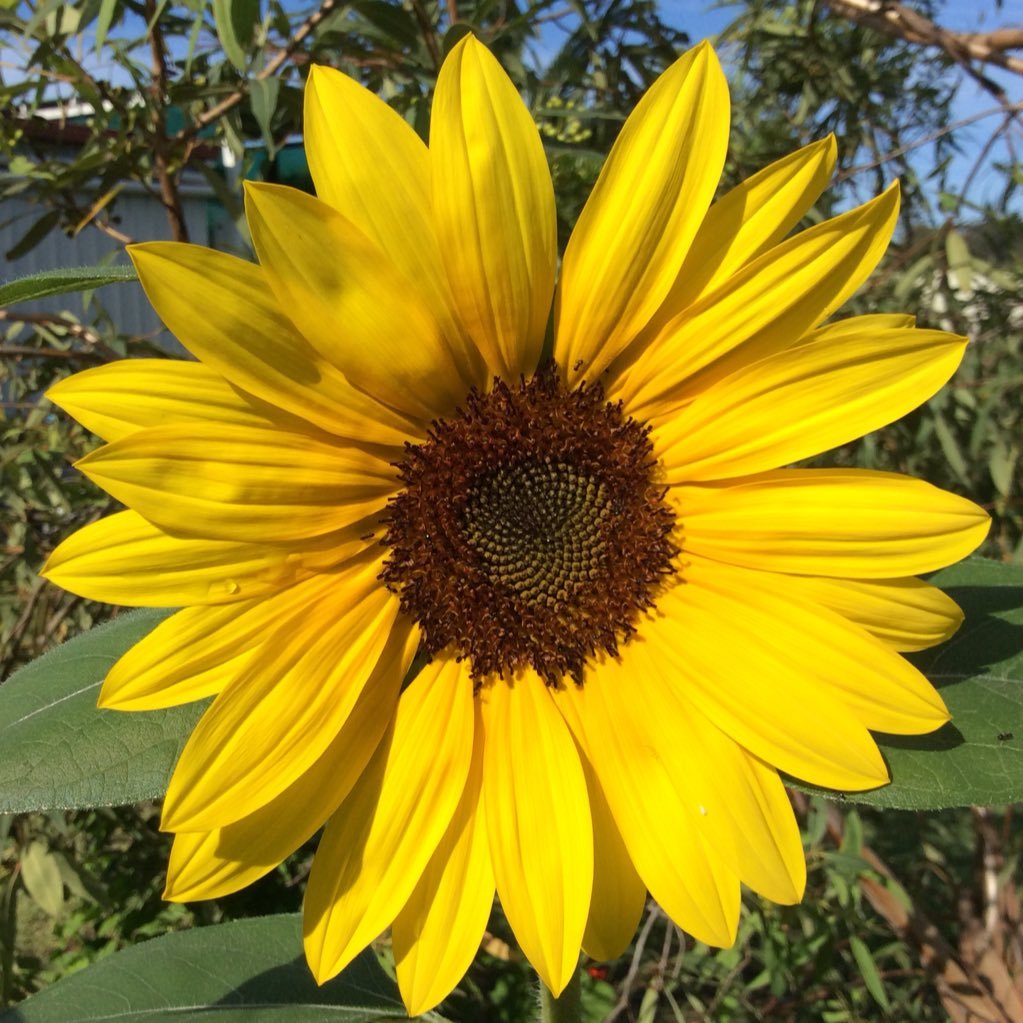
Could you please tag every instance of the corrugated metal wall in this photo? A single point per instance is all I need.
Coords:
(138, 215)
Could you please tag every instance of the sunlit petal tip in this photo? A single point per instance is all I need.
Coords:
(107, 699)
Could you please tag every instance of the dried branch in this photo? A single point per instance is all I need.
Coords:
(901, 22)
(97, 346)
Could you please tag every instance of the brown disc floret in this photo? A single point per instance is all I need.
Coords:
(530, 530)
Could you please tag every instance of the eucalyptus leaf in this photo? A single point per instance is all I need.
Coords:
(977, 758)
(58, 749)
(107, 10)
(56, 282)
(34, 235)
(236, 22)
(247, 971)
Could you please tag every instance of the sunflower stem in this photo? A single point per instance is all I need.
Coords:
(567, 1008)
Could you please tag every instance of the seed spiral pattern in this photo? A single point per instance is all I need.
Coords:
(531, 530)
(538, 528)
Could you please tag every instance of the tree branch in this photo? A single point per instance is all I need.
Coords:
(164, 175)
(901, 22)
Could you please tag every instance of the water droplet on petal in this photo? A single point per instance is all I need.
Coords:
(231, 586)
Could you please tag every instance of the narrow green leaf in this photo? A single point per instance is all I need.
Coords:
(950, 447)
(263, 94)
(236, 21)
(868, 971)
(391, 23)
(247, 971)
(57, 282)
(107, 10)
(34, 235)
(58, 749)
(960, 272)
(977, 758)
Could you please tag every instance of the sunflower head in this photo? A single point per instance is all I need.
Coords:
(531, 530)
(635, 611)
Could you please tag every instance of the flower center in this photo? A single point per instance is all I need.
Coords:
(530, 531)
(537, 527)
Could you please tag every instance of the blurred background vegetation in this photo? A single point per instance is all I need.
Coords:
(126, 120)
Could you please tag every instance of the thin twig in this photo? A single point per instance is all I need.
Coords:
(637, 957)
(111, 232)
(933, 136)
(97, 346)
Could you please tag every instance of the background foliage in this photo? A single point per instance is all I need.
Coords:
(913, 916)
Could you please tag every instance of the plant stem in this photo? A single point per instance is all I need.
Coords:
(566, 1009)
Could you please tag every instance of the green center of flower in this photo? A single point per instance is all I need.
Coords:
(531, 531)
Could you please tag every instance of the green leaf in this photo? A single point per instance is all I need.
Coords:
(41, 874)
(107, 10)
(263, 94)
(977, 758)
(247, 971)
(236, 22)
(34, 235)
(58, 749)
(56, 282)
(868, 971)
(960, 272)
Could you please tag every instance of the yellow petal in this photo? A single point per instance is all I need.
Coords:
(739, 227)
(858, 326)
(438, 932)
(277, 717)
(762, 309)
(123, 559)
(494, 207)
(660, 829)
(763, 691)
(370, 165)
(851, 523)
(618, 891)
(636, 228)
(241, 483)
(541, 835)
(880, 688)
(907, 614)
(352, 304)
(191, 655)
(738, 804)
(210, 864)
(734, 806)
(804, 401)
(119, 398)
(222, 310)
(749, 220)
(378, 844)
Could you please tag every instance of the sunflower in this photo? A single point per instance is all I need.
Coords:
(629, 615)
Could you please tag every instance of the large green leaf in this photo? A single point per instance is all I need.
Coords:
(977, 758)
(248, 971)
(57, 749)
(55, 282)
